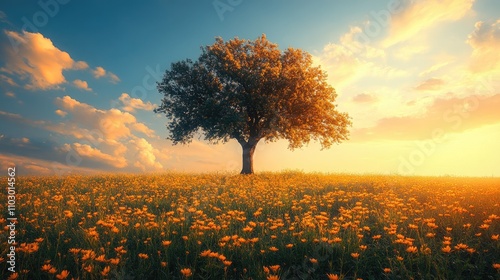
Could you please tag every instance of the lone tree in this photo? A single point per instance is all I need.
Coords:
(248, 91)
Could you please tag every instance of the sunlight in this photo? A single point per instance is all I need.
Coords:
(470, 153)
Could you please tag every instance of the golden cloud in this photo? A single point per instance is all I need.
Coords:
(422, 15)
(131, 104)
(145, 158)
(100, 72)
(485, 41)
(430, 84)
(350, 60)
(61, 113)
(365, 98)
(113, 124)
(448, 115)
(87, 151)
(35, 58)
(81, 85)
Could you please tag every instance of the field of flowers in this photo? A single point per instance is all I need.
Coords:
(266, 226)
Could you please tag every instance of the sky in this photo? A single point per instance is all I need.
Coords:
(420, 80)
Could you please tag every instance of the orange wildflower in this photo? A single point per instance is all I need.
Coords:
(63, 275)
(105, 271)
(186, 272)
(273, 249)
(446, 249)
(332, 276)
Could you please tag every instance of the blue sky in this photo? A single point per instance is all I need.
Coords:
(77, 83)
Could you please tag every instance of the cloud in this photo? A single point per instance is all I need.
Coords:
(350, 60)
(81, 85)
(34, 149)
(410, 49)
(37, 169)
(140, 127)
(419, 16)
(20, 141)
(456, 114)
(103, 128)
(485, 42)
(364, 98)
(17, 118)
(113, 78)
(100, 72)
(100, 134)
(88, 137)
(24, 166)
(61, 113)
(8, 80)
(10, 94)
(8, 115)
(73, 146)
(3, 18)
(131, 104)
(430, 84)
(145, 158)
(94, 154)
(81, 65)
(435, 67)
(27, 165)
(35, 58)
(113, 123)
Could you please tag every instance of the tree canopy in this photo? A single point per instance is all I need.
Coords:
(248, 91)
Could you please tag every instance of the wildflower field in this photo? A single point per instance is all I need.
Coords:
(265, 226)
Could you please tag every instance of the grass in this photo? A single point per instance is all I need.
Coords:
(265, 226)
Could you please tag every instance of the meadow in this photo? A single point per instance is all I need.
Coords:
(266, 226)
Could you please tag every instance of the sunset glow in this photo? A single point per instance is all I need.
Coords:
(420, 80)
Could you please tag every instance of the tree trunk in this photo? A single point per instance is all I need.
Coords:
(248, 150)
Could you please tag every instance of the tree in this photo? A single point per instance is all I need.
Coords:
(248, 91)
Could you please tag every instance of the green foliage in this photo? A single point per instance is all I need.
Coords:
(250, 90)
